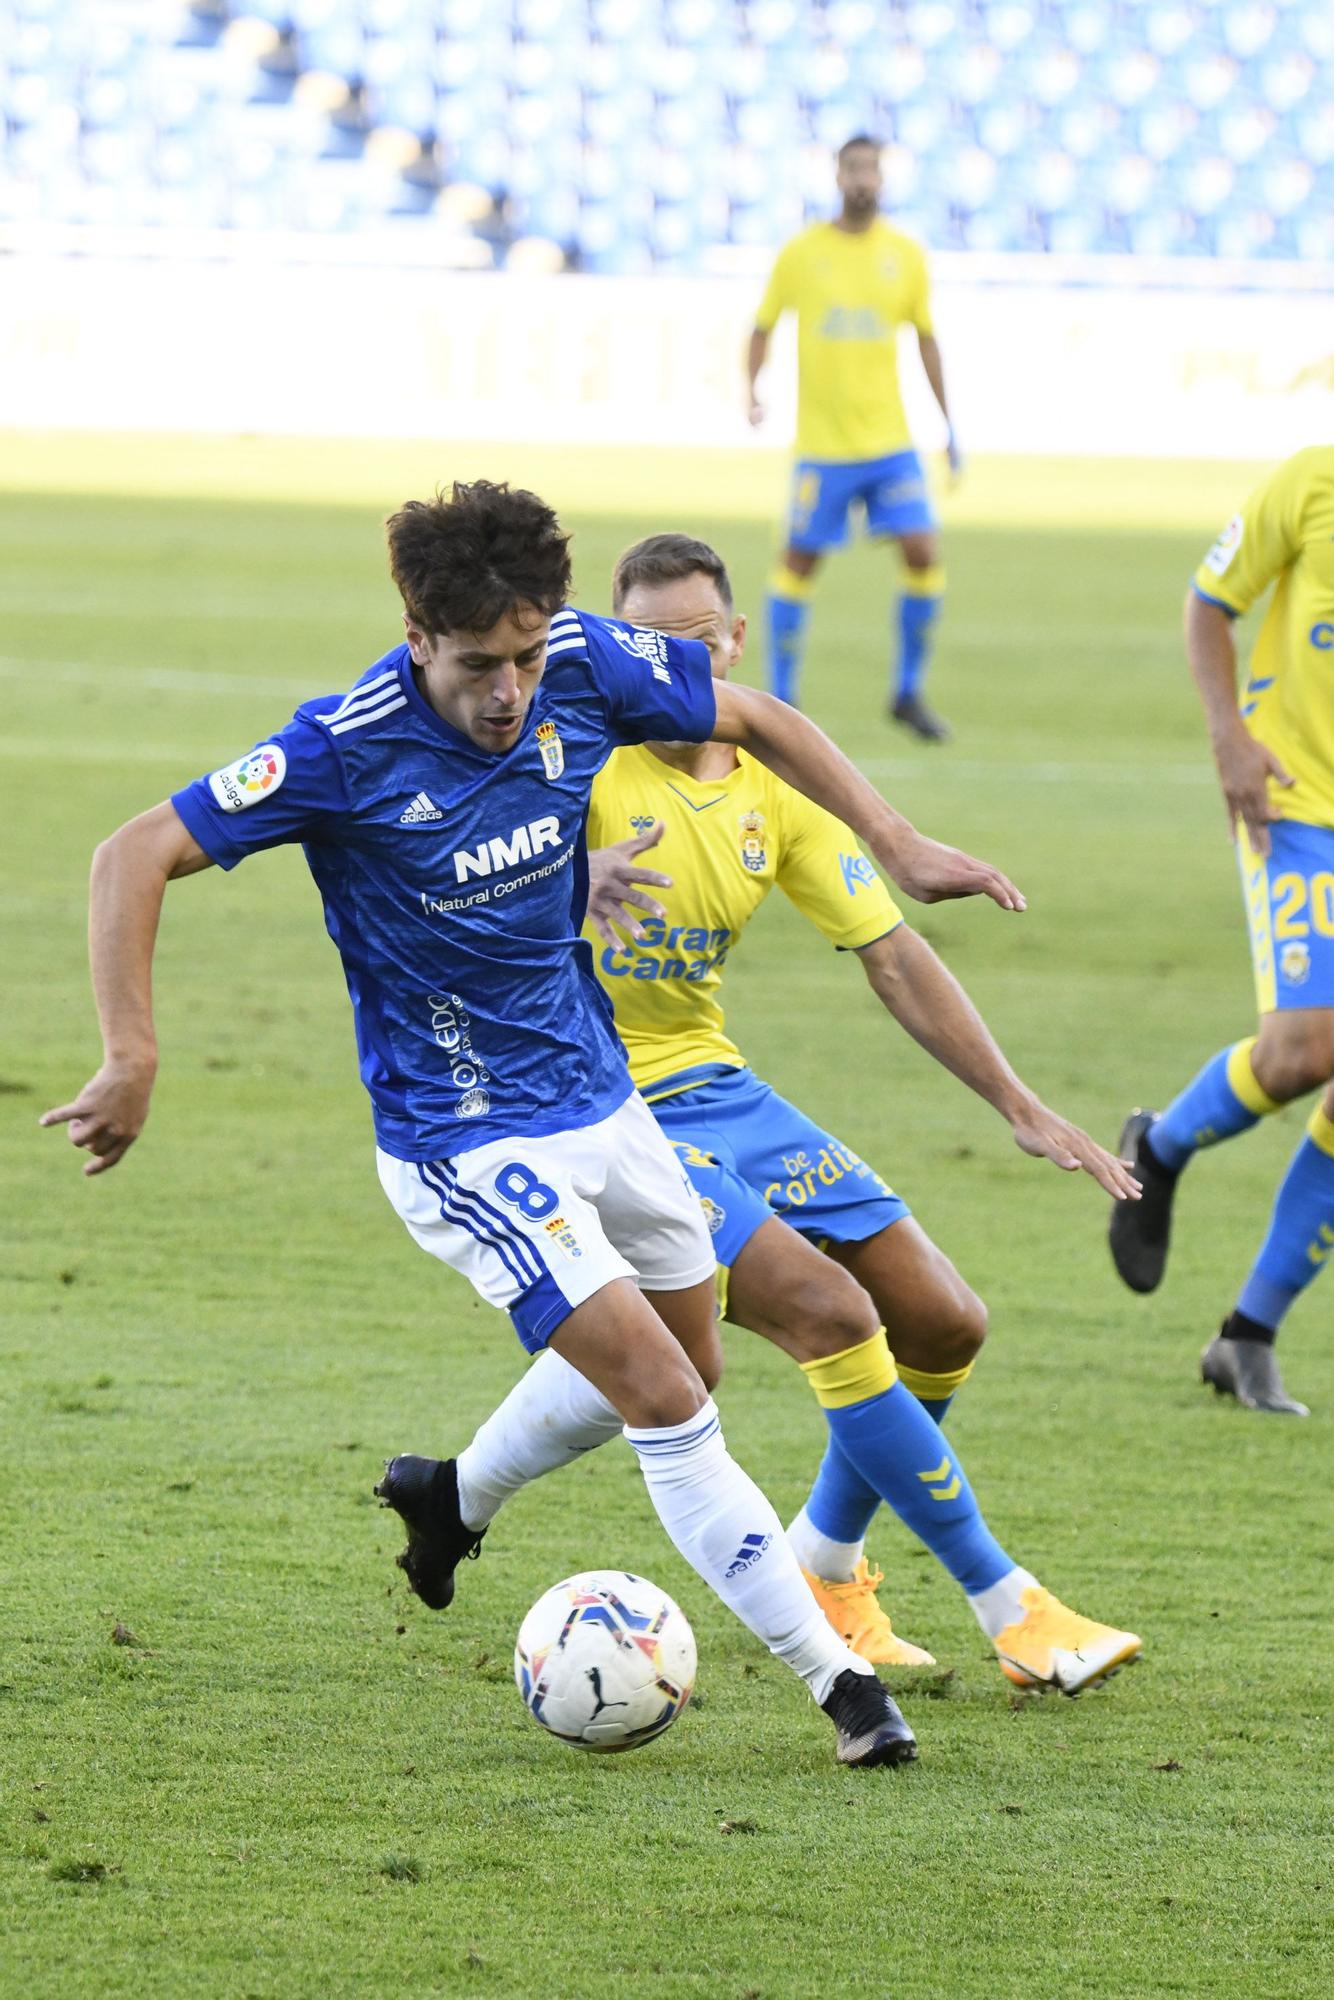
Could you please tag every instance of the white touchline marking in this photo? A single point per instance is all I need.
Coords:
(70, 751)
(152, 680)
(180, 680)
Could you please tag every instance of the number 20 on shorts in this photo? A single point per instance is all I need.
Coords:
(1289, 894)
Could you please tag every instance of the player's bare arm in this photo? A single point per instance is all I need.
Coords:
(130, 874)
(927, 1001)
(1244, 766)
(616, 884)
(934, 369)
(796, 751)
(756, 355)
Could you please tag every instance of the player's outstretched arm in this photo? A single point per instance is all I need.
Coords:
(925, 998)
(131, 871)
(1244, 766)
(803, 755)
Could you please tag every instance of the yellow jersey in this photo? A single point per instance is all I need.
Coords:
(851, 292)
(727, 842)
(1286, 531)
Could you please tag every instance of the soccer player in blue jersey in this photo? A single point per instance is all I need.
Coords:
(440, 804)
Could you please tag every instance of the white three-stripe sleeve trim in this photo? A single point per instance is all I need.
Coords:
(371, 692)
(574, 644)
(367, 715)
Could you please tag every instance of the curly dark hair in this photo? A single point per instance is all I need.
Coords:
(666, 559)
(463, 563)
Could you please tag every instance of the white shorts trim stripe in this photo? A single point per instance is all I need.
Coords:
(449, 1215)
(469, 1203)
(453, 1211)
(609, 1201)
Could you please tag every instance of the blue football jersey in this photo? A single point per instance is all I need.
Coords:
(454, 880)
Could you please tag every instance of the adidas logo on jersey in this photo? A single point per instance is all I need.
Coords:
(423, 807)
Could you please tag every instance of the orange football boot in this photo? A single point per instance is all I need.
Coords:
(856, 1614)
(1051, 1646)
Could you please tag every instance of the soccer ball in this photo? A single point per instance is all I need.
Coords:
(605, 1660)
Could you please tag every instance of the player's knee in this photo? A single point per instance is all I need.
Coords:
(1298, 1058)
(919, 552)
(709, 1366)
(801, 562)
(954, 1336)
(825, 1318)
(672, 1393)
(972, 1325)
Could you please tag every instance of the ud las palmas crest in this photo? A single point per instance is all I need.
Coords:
(752, 840)
(553, 750)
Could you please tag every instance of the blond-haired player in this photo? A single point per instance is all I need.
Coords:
(883, 1327)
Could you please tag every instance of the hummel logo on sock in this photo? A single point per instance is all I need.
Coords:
(423, 807)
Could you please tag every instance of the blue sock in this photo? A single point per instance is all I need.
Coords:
(916, 616)
(841, 1504)
(785, 625)
(1301, 1229)
(901, 1455)
(1224, 1099)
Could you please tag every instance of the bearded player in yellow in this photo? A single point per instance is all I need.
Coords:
(1273, 744)
(853, 283)
(884, 1328)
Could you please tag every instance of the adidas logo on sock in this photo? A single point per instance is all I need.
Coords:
(750, 1552)
(423, 807)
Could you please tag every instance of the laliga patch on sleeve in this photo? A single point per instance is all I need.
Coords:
(251, 778)
(1223, 550)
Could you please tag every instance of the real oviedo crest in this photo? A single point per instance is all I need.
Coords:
(752, 841)
(553, 750)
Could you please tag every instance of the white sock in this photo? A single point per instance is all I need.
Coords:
(552, 1415)
(730, 1535)
(820, 1556)
(998, 1605)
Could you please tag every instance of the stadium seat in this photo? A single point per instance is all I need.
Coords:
(711, 121)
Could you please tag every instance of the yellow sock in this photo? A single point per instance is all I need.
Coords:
(1321, 1128)
(784, 582)
(935, 1392)
(854, 1375)
(929, 582)
(1242, 1080)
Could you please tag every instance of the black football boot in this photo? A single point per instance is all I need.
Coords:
(424, 1492)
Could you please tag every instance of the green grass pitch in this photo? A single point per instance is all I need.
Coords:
(238, 1759)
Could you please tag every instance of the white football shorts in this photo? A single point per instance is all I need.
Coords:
(538, 1225)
